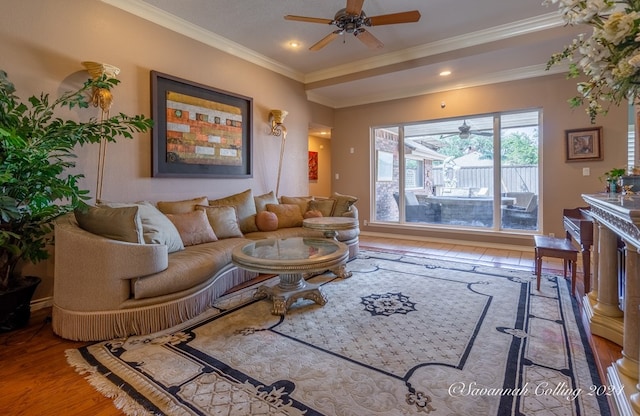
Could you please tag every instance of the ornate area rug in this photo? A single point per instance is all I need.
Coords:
(405, 335)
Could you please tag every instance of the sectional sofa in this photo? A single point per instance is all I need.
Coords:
(126, 269)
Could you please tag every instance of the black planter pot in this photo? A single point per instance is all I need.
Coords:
(15, 304)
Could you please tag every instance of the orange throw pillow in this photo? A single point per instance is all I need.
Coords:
(314, 213)
(266, 221)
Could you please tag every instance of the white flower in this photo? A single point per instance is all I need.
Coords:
(609, 57)
(635, 60)
(619, 26)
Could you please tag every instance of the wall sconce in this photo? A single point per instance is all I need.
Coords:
(276, 117)
(101, 97)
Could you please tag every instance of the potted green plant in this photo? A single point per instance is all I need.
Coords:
(612, 177)
(36, 151)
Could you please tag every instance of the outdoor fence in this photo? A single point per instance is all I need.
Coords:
(522, 178)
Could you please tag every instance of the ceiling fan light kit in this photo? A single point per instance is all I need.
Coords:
(353, 20)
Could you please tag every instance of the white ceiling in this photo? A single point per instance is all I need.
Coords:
(480, 41)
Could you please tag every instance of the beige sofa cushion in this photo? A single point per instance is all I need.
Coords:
(301, 201)
(343, 204)
(223, 220)
(194, 227)
(312, 213)
(181, 207)
(187, 268)
(325, 206)
(122, 223)
(156, 227)
(289, 215)
(262, 201)
(245, 209)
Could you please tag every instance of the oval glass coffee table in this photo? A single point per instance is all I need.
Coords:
(292, 259)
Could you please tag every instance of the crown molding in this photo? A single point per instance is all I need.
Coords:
(516, 74)
(521, 27)
(539, 23)
(160, 17)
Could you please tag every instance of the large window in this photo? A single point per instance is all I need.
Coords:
(469, 172)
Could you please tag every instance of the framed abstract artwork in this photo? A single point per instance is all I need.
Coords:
(199, 131)
(584, 144)
(313, 166)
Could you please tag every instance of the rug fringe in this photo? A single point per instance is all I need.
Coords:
(121, 400)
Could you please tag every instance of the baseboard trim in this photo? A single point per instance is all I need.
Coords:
(448, 241)
(42, 303)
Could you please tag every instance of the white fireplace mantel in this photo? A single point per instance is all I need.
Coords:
(620, 213)
(617, 215)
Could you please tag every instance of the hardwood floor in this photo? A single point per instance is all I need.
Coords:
(35, 378)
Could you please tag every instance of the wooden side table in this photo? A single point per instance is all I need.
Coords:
(559, 248)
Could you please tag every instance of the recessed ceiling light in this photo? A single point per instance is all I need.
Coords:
(445, 73)
(294, 44)
(323, 132)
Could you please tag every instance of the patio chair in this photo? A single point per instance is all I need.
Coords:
(418, 212)
(523, 213)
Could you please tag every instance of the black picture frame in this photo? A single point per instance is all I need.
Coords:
(199, 131)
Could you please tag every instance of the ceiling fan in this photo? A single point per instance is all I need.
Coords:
(465, 132)
(353, 20)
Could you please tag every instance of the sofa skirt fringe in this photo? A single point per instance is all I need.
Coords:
(143, 320)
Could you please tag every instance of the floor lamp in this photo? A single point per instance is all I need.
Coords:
(278, 129)
(101, 97)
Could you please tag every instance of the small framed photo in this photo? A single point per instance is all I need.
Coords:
(584, 144)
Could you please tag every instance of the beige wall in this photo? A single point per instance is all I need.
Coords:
(322, 186)
(43, 43)
(562, 183)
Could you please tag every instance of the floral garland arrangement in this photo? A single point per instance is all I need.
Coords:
(610, 57)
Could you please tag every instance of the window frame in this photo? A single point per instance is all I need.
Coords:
(497, 167)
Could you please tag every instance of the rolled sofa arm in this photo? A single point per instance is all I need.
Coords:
(91, 272)
(352, 213)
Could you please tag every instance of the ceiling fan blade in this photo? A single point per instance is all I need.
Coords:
(325, 41)
(308, 19)
(354, 7)
(393, 18)
(368, 39)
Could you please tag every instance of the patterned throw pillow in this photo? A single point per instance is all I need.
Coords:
(223, 220)
(289, 215)
(194, 227)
